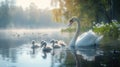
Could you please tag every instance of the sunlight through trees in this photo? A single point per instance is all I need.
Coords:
(87, 10)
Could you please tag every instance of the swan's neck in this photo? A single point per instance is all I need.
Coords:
(33, 44)
(44, 46)
(76, 34)
(53, 44)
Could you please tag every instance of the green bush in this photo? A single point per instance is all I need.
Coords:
(111, 29)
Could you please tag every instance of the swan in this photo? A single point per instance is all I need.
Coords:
(86, 39)
(62, 43)
(45, 47)
(55, 45)
(33, 44)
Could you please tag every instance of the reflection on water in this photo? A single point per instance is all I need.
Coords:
(88, 53)
(16, 51)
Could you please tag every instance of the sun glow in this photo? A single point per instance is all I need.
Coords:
(42, 4)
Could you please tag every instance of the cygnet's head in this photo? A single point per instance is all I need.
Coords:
(73, 19)
(43, 43)
(53, 41)
(33, 41)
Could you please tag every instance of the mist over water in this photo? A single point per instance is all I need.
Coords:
(20, 25)
(16, 51)
(15, 48)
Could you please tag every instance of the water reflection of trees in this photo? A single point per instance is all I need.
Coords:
(100, 57)
(108, 59)
(7, 53)
(58, 57)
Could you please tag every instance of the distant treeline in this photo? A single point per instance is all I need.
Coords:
(12, 16)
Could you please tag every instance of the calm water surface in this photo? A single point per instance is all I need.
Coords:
(16, 51)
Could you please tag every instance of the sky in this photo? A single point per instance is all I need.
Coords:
(42, 4)
(45, 19)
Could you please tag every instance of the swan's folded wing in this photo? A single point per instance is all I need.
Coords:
(86, 39)
(98, 39)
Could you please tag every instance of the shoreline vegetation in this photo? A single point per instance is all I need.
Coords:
(112, 29)
(107, 29)
(73, 29)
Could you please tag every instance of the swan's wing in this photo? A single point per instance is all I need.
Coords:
(98, 39)
(86, 39)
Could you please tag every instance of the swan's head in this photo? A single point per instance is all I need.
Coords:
(33, 41)
(43, 43)
(73, 19)
(53, 41)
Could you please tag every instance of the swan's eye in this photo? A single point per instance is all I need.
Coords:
(71, 20)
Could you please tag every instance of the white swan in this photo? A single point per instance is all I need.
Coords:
(86, 39)
(45, 47)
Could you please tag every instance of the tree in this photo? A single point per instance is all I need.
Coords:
(88, 10)
(4, 14)
(33, 12)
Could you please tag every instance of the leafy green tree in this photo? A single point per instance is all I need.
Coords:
(87, 10)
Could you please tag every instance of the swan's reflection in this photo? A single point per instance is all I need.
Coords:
(74, 52)
(58, 57)
(88, 53)
(44, 56)
(33, 52)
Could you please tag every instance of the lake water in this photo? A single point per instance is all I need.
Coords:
(16, 51)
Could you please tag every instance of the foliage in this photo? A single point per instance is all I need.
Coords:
(87, 10)
(112, 29)
(57, 15)
(69, 8)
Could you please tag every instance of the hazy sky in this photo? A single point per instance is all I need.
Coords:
(44, 19)
(42, 4)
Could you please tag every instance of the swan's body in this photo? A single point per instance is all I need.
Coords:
(34, 45)
(45, 47)
(62, 43)
(86, 39)
(55, 44)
